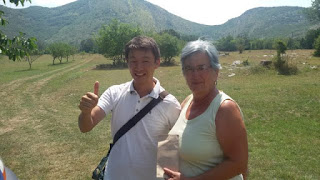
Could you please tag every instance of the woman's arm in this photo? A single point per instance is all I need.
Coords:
(232, 136)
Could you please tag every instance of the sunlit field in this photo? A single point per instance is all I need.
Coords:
(40, 139)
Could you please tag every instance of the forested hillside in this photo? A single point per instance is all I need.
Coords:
(83, 18)
(269, 22)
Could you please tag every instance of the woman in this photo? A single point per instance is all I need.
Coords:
(213, 139)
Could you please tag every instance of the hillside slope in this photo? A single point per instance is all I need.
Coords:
(81, 19)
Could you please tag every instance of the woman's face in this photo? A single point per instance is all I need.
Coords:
(199, 74)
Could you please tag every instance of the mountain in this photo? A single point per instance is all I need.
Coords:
(264, 22)
(81, 19)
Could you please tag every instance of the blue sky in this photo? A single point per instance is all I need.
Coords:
(208, 12)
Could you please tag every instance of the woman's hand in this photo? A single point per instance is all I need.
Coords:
(173, 175)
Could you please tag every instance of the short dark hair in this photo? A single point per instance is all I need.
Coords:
(142, 42)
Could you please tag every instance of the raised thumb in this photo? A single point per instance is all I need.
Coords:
(96, 88)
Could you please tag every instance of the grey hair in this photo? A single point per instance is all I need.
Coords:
(201, 46)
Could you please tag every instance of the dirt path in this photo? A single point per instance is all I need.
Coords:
(9, 87)
(13, 94)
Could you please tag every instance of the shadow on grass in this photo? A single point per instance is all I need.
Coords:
(60, 64)
(110, 67)
(125, 66)
(26, 70)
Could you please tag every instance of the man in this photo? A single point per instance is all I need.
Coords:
(134, 155)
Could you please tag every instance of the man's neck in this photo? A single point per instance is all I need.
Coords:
(145, 88)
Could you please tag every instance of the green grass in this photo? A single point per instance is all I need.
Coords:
(40, 139)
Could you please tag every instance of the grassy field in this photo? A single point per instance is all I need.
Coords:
(40, 139)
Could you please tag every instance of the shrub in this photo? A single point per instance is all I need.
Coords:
(257, 69)
(246, 63)
(282, 62)
(317, 47)
(285, 66)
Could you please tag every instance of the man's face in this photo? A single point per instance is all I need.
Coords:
(142, 64)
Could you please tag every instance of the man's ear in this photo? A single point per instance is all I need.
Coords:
(157, 62)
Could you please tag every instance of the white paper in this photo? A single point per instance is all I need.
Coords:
(168, 154)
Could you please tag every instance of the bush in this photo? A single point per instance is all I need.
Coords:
(284, 65)
(317, 47)
(246, 63)
(257, 69)
(282, 62)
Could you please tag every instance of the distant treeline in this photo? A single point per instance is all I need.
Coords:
(228, 43)
(111, 39)
(243, 42)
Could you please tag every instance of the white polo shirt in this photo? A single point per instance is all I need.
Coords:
(133, 157)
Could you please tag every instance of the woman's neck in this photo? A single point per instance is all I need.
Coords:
(205, 97)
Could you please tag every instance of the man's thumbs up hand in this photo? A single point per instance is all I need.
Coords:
(90, 100)
(96, 88)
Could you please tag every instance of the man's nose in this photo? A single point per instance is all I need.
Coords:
(139, 65)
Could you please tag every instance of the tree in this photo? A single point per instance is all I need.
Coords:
(310, 38)
(68, 50)
(268, 43)
(57, 51)
(256, 44)
(281, 47)
(317, 47)
(41, 46)
(88, 45)
(112, 39)
(33, 55)
(313, 13)
(171, 32)
(169, 47)
(281, 62)
(226, 44)
(13, 48)
(292, 43)
(240, 43)
(61, 50)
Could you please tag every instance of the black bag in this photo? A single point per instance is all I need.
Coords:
(98, 173)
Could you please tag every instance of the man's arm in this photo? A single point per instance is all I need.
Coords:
(87, 121)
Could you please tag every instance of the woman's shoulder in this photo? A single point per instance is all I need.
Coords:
(224, 96)
(229, 112)
(184, 102)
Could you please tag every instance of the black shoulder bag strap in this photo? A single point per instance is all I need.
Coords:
(99, 171)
